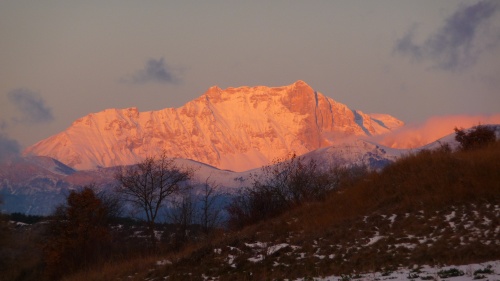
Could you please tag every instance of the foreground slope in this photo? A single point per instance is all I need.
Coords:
(431, 208)
(236, 128)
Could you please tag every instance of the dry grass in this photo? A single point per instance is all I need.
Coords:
(131, 269)
(20, 254)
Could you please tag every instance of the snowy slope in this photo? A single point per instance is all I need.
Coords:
(356, 152)
(236, 128)
(33, 185)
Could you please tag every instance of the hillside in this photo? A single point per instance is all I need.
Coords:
(430, 208)
(236, 128)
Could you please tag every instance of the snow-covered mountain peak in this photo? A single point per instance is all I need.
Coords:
(235, 128)
(258, 93)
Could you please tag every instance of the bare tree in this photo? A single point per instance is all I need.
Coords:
(111, 201)
(210, 213)
(4, 233)
(182, 215)
(148, 184)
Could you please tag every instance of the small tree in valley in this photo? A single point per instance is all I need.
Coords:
(5, 234)
(210, 213)
(182, 215)
(77, 233)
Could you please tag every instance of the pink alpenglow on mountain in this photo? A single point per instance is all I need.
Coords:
(236, 129)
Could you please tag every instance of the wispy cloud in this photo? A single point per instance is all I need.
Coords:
(9, 147)
(155, 70)
(30, 106)
(459, 42)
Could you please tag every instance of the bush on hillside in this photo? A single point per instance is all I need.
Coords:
(285, 185)
(478, 136)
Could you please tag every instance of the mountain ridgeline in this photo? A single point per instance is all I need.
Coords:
(236, 128)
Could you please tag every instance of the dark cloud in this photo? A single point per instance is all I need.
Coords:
(459, 42)
(30, 105)
(406, 46)
(154, 71)
(8, 147)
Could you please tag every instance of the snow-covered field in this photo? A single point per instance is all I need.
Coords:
(483, 271)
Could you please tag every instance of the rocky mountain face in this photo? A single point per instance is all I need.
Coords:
(236, 129)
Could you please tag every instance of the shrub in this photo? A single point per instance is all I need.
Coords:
(283, 186)
(476, 137)
(486, 270)
(452, 272)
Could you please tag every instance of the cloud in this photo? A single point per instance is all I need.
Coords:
(459, 42)
(416, 135)
(154, 71)
(30, 105)
(8, 147)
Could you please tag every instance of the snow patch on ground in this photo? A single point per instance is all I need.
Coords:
(273, 249)
(374, 239)
(256, 245)
(469, 271)
(163, 262)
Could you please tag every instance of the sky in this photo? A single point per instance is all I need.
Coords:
(416, 60)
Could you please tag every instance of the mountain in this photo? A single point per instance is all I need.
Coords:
(33, 185)
(236, 128)
(36, 184)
